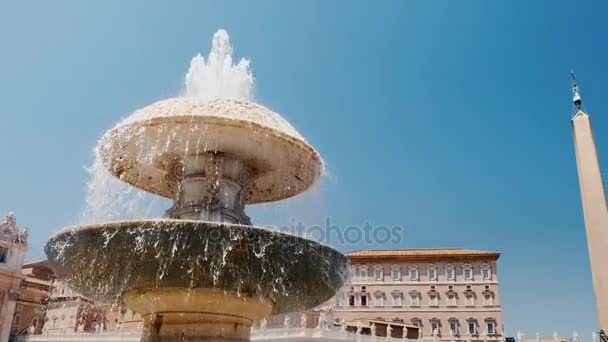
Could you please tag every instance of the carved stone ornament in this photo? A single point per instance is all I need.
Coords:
(9, 231)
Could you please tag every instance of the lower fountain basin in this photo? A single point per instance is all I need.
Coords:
(106, 261)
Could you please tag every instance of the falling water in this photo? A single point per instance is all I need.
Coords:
(216, 76)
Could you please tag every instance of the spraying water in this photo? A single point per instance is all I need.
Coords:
(216, 76)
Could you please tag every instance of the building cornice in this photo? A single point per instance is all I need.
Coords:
(426, 255)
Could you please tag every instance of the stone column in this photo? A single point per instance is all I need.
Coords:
(8, 311)
(595, 210)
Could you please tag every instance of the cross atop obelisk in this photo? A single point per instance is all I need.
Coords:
(576, 93)
(593, 198)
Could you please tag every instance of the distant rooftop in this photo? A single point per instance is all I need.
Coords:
(40, 262)
(423, 254)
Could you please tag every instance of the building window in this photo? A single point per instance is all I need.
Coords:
(488, 300)
(378, 274)
(397, 299)
(472, 328)
(432, 273)
(379, 299)
(486, 272)
(413, 273)
(486, 287)
(491, 327)
(364, 300)
(396, 272)
(452, 300)
(453, 328)
(351, 301)
(3, 255)
(415, 299)
(363, 273)
(468, 272)
(449, 273)
(434, 327)
(17, 320)
(470, 300)
(450, 287)
(434, 301)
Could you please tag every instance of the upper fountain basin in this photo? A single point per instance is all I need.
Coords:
(144, 148)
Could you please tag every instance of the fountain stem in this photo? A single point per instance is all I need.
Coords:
(210, 187)
(172, 315)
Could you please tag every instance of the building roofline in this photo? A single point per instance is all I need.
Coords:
(37, 262)
(420, 254)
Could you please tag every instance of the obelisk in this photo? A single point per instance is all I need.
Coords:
(595, 210)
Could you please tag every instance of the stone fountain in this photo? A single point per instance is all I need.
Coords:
(203, 272)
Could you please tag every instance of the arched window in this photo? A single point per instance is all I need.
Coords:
(363, 273)
(434, 327)
(490, 326)
(454, 326)
(397, 298)
(414, 298)
(414, 274)
(467, 271)
(486, 272)
(378, 273)
(396, 273)
(432, 272)
(449, 272)
(472, 326)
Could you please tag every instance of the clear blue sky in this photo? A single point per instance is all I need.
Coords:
(450, 118)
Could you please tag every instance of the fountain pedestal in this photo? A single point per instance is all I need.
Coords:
(197, 314)
(210, 187)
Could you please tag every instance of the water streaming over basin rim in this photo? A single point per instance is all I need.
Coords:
(143, 149)
(105, 261)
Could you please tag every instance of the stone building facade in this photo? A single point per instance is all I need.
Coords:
(69, 312)
(450, 294)
(13, 246)
(33, 299)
